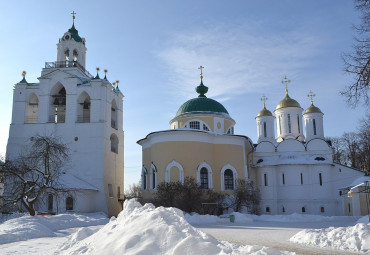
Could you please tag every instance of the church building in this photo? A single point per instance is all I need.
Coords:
(85, 113)
(293, 167)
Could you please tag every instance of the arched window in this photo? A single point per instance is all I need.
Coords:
(289, 124)
(32, 109)
(66, 55)
(153, 176)
(50, 202)
(69, 203)
(83, 108)
(264, 129)
(144, 178)
(58, 104)
(267, 209)
(113, 115)
(280, 125)
(229, 179)
(303, 209)
(174, 172)
(114, 143)
(299, 127)
(229, 175)
(204, 178)
(197, 124)
(75, 55)
(314, 126)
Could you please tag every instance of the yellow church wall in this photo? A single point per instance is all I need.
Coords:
(190, 155)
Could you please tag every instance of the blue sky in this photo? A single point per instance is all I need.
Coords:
(155, 48)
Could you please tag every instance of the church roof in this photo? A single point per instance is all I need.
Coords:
(287, 102)
(312, 109)
(74, 34)
(264, 112)
(201, 104)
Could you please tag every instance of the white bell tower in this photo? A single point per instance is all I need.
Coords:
(265, 124)
(71, 48)
(313, 118)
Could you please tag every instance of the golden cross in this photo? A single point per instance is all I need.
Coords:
(264, 99)
(285, 81)
(201, 72)
(311, 95)
(73, 16)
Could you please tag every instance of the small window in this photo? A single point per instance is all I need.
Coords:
(283, 209)
(153, 179)
(320, 179)
(340, 193)
(205, 128)
(143, 180)
(114, 143)
(303, 209)
(340, 170)
(299, 127)
(229, 180)
(301, 179)
(314, 126)
(289, 124)
(69, 204)
(349, 208)
(267, 209)
(50, 202)
(118, 192)
(279, 125)
(265, 179)
(283, 179)
(264, 129)
(110, 190)
(322, 209)
(194, 125)
(204, 178)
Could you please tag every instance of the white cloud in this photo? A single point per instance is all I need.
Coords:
(237, 60)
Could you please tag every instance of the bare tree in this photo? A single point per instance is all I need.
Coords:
(27, 177)
(246, 195)
(357, 63)
(134, 191)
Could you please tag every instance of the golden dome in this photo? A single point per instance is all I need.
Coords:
(287, 102)
(264, 112)
(312, 109)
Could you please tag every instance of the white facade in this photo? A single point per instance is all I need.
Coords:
(294, 173)
(86, 114)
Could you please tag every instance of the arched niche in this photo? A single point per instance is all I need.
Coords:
(83, 108)
(32, 109)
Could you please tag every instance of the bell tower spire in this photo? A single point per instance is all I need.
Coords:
(71, 47)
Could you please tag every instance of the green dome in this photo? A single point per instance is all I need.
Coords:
(264, 112)
(74, 34)
(312, 109)
(287, 102)
(201, 104)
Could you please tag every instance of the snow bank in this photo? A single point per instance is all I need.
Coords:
(148, 230)
(355, 238)
(28, 227)
(297, 217)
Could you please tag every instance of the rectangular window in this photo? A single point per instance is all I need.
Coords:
(289, 124)
(194, 125)
(320, 179)
(314, 126)
(110, 190)
(264, 129)
(299, 127)
(301, 178)
(279, 125)
(265, 179)
(283, 179)
(119, 192)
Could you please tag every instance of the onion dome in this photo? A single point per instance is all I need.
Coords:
(287, 102)
(264, 112)
(312, 109)
(201, 104)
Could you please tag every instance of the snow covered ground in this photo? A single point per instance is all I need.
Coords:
(148, 230)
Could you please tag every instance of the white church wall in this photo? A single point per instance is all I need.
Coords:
(265, 147)
(290, 145)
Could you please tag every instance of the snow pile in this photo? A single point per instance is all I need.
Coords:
(148, 230)
(355, 238)
(29, 227)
